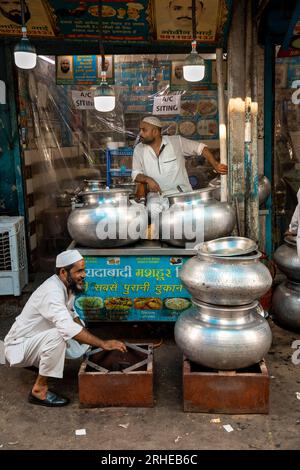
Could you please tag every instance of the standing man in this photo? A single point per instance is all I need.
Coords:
(48, 329)
(159, 162)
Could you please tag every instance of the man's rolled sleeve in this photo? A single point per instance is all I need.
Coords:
(57, 313)
(137, 166)
(191, 147)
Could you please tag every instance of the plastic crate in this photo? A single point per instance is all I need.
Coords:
(13, 259)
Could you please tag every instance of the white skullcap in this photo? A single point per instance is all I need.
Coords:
(67, 257)
(153, 120)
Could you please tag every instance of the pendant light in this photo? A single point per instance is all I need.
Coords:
(104, 95)
(24, 52)
(194, 66)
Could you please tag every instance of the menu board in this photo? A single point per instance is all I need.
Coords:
(133, 288)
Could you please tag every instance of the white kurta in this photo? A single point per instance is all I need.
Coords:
(168, 170)
(42, 334)
(295, 225)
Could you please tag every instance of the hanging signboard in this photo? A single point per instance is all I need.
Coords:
(38, 18)
(121, 20)
(176, 22)
(168, 104)
(83, 99)
(83, 69)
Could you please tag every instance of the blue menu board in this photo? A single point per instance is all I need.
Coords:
(133, 288)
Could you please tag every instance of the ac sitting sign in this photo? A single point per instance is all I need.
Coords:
(169, 104)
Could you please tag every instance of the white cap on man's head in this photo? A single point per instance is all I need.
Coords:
(67, 257)
(153, 120)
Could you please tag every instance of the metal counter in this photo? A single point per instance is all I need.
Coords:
(138, 249)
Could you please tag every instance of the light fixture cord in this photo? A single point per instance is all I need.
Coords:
(100, 27)
(24, 29)
(194, 20)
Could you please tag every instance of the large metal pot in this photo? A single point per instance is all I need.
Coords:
(107, 219)
(94, 185)
(287, 259)
(223, 337)
(286, 305)
(264, 188)
(191, 208)
(232, 280)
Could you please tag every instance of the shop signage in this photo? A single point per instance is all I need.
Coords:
(83, 69)
(176, 22)
(39, 20)
(133, 288)
(83, 99)
(168, 104)
(121, 20)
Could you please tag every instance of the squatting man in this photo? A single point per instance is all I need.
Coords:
(48, 330)
(159, 162)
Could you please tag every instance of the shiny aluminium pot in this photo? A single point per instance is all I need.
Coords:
(264, 188)
(287, 259)
(107, 219)
(195, 212)
(232, 280)
(224, 338)
(286, 305)
(94, 185)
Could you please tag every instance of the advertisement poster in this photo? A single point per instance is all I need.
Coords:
(176, 23)
(38, 18)
(83, 69)
(121, 20)
(133, 288)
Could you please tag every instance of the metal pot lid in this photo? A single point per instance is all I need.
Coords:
(291, 240)
(106, 192)
(227, 246)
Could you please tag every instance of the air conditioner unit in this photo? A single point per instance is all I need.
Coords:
(13, 259)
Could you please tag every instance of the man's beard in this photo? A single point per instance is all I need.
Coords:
(72, 285)
(16, 17)
(148, 140)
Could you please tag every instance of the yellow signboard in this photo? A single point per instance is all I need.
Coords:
(176, 22)
(38, 18)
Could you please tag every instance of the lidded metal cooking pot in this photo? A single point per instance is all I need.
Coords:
(287, 259)
(224, 338)
(192, 208)
(107, 219)
(225, 280)
(286, 305)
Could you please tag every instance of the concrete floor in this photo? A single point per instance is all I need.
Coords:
(165, 426)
